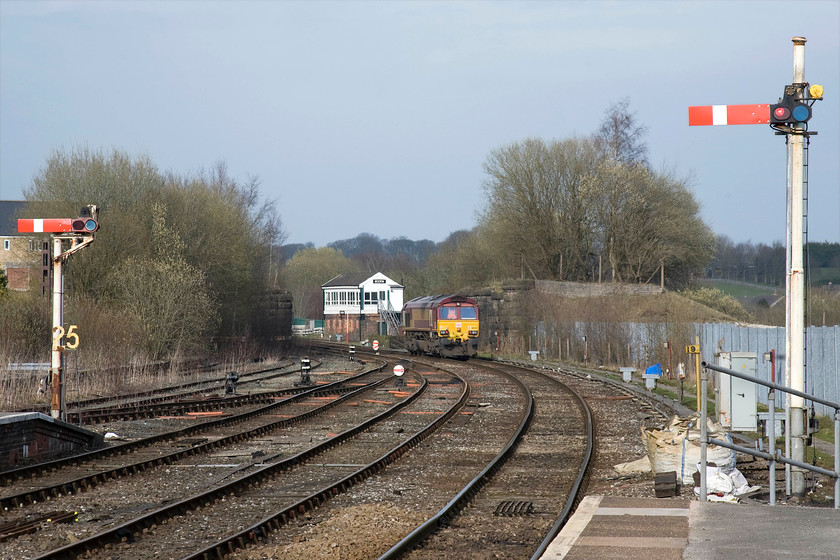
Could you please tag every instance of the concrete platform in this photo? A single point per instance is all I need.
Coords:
(614, 528)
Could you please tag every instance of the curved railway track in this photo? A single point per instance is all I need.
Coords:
(509, 510)
(115, 413)
(246, 496)
(530, 488)
(474, 457)
(41, 483)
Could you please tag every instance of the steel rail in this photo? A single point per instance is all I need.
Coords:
(463, 497)
(84, 411)
(583, 473)
(136, 526)
(91, 480)
(153, 395)
(14, 529)
(256, 532)
(129, 447)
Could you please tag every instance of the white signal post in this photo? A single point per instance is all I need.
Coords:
(796, 133)
(57, 403)
(795, 302)
(80, 232)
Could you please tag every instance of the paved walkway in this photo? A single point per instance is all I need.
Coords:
(616, 528)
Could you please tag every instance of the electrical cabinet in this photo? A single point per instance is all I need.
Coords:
(736, 401)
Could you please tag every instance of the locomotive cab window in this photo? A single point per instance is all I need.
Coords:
(449, 312)
(469, 313)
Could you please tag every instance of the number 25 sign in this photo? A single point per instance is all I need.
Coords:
(72, 337)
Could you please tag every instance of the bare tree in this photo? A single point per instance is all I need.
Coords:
(226, 229)
(305, 273)
(537, 205)
(620, 137)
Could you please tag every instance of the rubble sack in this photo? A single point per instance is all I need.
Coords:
(677, 447)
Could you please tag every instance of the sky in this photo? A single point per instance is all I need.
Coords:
(377, 117)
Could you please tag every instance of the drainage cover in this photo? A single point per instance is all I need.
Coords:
(511, 507)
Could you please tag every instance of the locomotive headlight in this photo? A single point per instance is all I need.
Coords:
(444, 332)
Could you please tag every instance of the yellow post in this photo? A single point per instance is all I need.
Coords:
(697, 370)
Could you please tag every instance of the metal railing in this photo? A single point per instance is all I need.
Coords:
(772, 457)
(389, 316)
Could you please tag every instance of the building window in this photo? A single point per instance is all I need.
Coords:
(7, 244)
(34, 245)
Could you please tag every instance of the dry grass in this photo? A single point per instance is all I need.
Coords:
(610, 324)
(89, 375)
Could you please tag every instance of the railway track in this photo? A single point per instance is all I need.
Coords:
(41, 483)
(529, 490)
(511, 509)
(195, 396)
(316, 477)
(192, 410)
(495, 455)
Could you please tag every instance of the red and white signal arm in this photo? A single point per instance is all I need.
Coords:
(376, 345)
(716, 115)
(45, 225)
(399, 370)
(57, 225)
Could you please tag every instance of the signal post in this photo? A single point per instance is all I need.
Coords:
(80, 232)
(789, 117)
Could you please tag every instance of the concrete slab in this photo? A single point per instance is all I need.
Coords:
(616, 528)
(760, 532)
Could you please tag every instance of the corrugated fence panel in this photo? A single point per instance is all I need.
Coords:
(822, 376)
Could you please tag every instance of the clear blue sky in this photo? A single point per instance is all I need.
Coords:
(376, 117)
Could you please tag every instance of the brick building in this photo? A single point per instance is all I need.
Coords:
(20, 254)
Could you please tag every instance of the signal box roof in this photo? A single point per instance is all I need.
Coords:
(357, 280)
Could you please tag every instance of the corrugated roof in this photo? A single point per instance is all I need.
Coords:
(346, 280)
(354, 280)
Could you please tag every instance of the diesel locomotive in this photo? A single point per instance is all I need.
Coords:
(441, 326)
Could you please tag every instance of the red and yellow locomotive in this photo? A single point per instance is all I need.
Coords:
(441, 326)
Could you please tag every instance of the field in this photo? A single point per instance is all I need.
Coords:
(742, 289)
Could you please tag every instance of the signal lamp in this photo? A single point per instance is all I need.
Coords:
(85, 225)
(815, 91)
(780, 114)
(789, 111)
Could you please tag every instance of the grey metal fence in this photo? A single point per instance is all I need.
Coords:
(640, 343)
